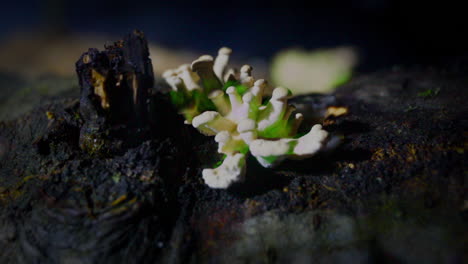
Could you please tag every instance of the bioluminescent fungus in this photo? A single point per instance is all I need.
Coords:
(230, 105)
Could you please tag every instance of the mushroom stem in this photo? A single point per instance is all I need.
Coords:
(189, 77)
(221, 62)
(231, 170)
(211, 123)
(220, 100)
(203, 66)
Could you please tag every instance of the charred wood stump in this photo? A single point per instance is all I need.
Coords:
(115, 89)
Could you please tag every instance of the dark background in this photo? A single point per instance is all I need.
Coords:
(385, 32)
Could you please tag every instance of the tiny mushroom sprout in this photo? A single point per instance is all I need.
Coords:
(229, 105)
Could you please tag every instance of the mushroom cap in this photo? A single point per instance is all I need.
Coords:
(246, 68)
(224, 51)
(259, 82)
(205, 58)
(231, 90)
(205, 61)
(168, 73)
(256, 90)
(215, 94)
(280, 93)
(204, 118)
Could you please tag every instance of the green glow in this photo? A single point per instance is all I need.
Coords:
(229, 84)
(202, 102)
(192, 103)
(178, 98)
(253, 110)
(190, 112)
(279, 129)
(245, 149)
(292, 145)
(211, 84)
(236, 146)
(342, 79)
(218, 163)
(298, 135)
(270, 159)
(263, 114)
(429, 93)
(240, 89)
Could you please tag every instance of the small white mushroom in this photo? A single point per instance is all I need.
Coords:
(222, 138)
(220, 101)
(234, 97)
(245, 71)
(221, 61)
(246, 78)
(241, 123)
(173, 80)
(232, 170)
(168, 73)
(204, 118)
(270, 152)
(246, 102)
(211, 123)
(278, 104)
(239, 107)
(311, 143)
(258, 90)
(176, 83)
(203, 66)
(190, 78)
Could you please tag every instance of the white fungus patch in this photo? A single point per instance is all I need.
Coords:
(242, 122)
(230, 171)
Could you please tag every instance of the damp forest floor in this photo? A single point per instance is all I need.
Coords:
(393, 191)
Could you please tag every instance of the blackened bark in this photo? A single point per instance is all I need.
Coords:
(115, 87)
(124, 73)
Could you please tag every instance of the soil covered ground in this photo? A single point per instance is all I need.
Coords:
(393, 191)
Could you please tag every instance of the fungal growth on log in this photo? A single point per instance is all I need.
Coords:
(230, 105)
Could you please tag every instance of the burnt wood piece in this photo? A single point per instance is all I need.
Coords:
(115, 83)
(115, 86)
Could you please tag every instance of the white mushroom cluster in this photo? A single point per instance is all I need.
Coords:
(229, 105)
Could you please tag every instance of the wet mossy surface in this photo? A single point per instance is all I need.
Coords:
(394, 191)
